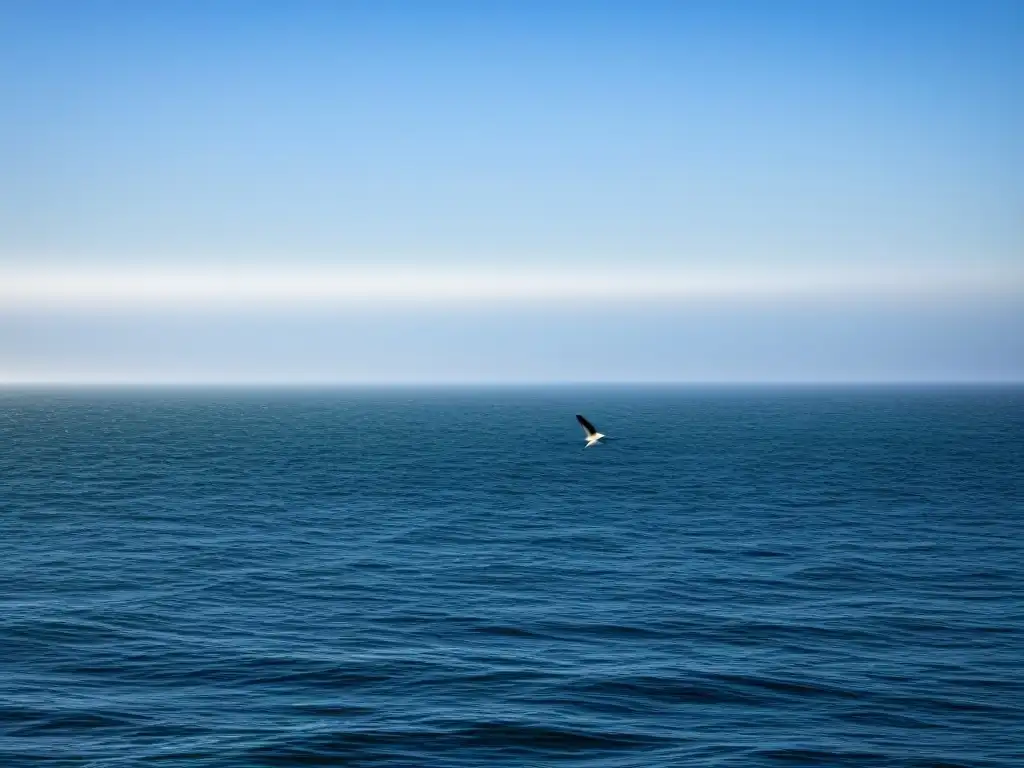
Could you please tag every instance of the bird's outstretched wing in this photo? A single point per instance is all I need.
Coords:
(587, 426)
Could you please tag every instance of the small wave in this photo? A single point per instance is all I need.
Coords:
(485, 737)
(508, 631)
(802, 756)
(789, 687)
(763, 553)
(498, 735)
(73, 722)
(663, 690)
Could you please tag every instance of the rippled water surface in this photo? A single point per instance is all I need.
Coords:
(444, 578)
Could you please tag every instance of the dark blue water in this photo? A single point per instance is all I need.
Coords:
(444, 578)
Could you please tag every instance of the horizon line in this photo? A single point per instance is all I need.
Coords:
(489, 383)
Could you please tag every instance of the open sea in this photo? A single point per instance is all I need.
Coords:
(444, 577)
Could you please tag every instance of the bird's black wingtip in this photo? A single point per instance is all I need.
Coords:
(585, 424)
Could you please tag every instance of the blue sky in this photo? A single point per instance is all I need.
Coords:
(849, 176)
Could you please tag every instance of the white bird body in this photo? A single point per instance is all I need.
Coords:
(593, 437)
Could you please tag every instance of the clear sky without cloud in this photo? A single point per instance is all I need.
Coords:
(333, 192)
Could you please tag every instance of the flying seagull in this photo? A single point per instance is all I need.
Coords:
(593, 436)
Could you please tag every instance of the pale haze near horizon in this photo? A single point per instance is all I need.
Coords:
(445, 192)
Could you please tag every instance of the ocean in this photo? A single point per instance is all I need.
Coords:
(444, 577)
